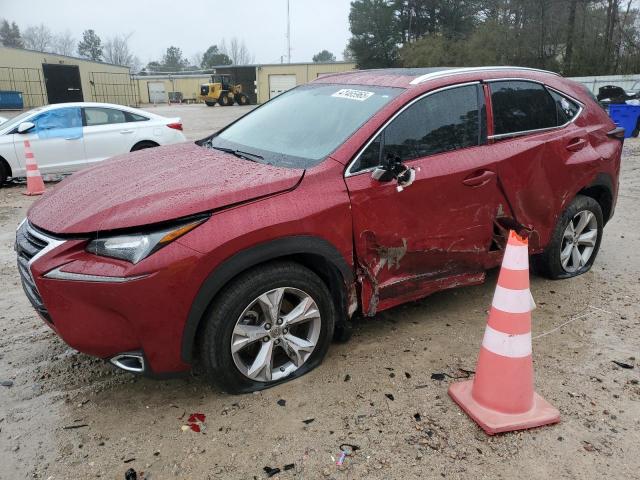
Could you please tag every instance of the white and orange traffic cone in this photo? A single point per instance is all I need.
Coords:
(501, 397)
(35, 184)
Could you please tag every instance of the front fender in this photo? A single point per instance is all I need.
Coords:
(240, 262)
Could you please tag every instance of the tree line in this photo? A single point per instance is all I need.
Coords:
(573, 37)
(116, 49)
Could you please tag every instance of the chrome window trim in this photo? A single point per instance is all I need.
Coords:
(522, 133)
(461, 71)
(348, 173)
(58, 274)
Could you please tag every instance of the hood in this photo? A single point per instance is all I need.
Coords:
(155, 185)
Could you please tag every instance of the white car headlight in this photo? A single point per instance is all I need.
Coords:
(138, 246)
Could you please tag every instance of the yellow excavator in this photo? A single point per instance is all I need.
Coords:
(221, 90)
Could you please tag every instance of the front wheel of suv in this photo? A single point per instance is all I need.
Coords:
(272, 324)
(575, 241)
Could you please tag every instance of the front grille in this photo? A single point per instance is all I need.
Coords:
(29, 244)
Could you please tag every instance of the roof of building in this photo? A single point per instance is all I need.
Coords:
(27, 50)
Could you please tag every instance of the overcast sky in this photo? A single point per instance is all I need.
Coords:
(195, 25)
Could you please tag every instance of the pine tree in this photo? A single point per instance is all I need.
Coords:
(90, 46)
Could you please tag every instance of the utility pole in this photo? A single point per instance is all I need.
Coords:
(288, 35)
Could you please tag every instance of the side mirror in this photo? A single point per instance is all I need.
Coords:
(24, 127)
(394, 169)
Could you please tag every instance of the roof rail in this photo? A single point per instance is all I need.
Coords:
(463, 70)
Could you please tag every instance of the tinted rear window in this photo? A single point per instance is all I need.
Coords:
(519, 106)
(566, 108)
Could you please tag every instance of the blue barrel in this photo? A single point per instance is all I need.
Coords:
(625, 116)
(10, 100)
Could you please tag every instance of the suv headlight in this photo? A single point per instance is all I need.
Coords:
(138, 246)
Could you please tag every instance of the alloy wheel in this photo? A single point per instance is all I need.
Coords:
(579, 241)
(276, 334)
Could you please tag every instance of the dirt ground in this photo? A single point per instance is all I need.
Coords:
(70, 416)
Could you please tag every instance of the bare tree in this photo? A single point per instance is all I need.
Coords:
(239, 53)
(196, 59)
(64, 44)
(116, 51)
(38, 38)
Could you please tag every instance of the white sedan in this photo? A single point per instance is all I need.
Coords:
(66, 137)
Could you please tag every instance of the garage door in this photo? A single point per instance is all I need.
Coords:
(157, 93)
(280, 83)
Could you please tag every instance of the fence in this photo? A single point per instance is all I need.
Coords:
(109, 87)
(26, 80)
(628, 82)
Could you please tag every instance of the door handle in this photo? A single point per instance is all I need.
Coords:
(126, 131)
(576, 144)
(477, 179)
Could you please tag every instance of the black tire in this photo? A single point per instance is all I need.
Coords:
(242, 99)
(221, 317)
(210, 104)
(142, 145)
(4, 173)
(548, 263)
(224, 100)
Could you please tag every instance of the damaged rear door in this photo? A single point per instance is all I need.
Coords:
(437, 232)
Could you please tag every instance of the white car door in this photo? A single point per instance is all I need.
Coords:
(107, 133)
(56, 140)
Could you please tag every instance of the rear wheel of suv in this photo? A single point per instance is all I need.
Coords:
(575, 241)
(272, 324)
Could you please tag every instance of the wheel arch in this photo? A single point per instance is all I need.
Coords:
(315, 253)
(601, 190)
(143, 142)
(5, 164)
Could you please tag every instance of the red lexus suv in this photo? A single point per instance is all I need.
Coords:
(249, 250)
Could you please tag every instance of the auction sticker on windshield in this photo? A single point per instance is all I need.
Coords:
(360, 95)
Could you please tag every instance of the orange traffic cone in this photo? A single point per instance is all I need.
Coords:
(501, 397)
(35, 185)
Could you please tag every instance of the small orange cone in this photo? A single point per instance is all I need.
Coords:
(35, 185)
(501, 397)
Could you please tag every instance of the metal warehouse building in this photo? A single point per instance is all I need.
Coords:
(48, 78)
(44, 78)
(260, 82)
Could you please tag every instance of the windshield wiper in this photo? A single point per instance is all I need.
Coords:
(252, 157)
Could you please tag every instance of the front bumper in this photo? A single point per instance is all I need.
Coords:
(105, 307)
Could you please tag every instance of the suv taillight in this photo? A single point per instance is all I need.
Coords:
(175, 126)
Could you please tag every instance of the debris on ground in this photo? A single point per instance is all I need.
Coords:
(622, 364)
(130, 475)
(346, 450)
(347, 377)
(417, 417)
(6, 383)
(71, 427)
(437, 376)
(195, 422)
(282, 402)
(308, 420)
(389, 396)
(271, 471)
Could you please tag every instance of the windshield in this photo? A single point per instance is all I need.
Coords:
(17, 120)
(300, 127)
